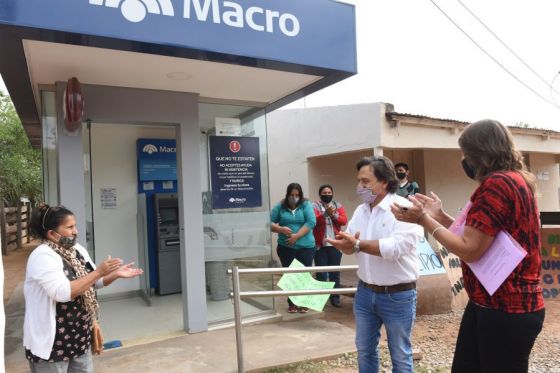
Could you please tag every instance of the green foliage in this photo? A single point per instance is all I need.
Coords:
(20, 164)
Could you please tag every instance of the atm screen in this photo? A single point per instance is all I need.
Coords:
(168, 215)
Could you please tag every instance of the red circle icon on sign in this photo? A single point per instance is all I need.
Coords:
(234, 146)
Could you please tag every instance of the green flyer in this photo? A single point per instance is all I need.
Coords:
(304, 281)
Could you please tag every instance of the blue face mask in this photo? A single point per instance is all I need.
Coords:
(366, 194)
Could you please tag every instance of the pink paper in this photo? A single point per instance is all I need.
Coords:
(458, 226)
(497, 263)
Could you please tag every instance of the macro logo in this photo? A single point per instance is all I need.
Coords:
(230, 13)
(136, 10)
(150, 149)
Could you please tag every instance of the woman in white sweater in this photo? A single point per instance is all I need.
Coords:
(60, 301)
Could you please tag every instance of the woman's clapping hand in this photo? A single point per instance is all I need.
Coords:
(109, 265)
(128, 271)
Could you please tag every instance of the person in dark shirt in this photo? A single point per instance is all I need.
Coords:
(497, 331)
(406, 187)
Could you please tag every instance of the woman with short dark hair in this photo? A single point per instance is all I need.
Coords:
(498, 331)
(293, 219)
(331, 217)
(60, 302)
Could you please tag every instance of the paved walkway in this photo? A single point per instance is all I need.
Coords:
(266, 345)
(312, 336)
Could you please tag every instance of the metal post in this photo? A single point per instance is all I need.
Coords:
(237, 313)
(28, 220)
(237, 294)
(3, 228)
(18, 225)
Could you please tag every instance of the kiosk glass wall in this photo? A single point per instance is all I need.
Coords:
(49, 143)
(236, 206)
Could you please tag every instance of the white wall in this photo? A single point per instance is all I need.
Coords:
(296, 135)
(545, 167)
(113, 152)
(444, 176)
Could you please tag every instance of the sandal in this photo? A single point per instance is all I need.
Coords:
(292, 309)
(303, 309)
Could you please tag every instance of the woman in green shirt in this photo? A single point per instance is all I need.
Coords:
(293, 219)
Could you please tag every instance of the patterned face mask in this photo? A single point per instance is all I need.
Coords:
(67, 242)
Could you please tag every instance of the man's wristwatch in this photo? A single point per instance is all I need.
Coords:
(356, 248)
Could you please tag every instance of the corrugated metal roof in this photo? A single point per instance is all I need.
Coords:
(454, 121)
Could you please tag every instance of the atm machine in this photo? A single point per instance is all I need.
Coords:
(158, 216)
(168, 244)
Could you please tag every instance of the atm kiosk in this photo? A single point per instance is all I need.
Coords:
(158, 215)
(168, 244)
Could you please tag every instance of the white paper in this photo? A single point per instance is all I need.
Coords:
(108, 198)
(228, 127)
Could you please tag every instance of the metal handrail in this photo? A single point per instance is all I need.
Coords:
(237, 294)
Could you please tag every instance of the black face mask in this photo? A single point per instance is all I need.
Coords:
(326, 198)
(469, 170)
(401, 175)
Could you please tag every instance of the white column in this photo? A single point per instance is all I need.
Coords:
(191, 223)
(71, 169)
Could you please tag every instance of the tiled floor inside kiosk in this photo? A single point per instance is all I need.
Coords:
(132, 321)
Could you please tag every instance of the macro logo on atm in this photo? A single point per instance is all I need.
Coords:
(230, 13)
(150, 149)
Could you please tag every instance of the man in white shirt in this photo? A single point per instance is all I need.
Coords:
(388, 267)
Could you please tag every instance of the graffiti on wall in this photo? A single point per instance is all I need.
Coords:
(550, 270)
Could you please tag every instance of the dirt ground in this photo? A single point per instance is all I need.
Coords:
(14, 268)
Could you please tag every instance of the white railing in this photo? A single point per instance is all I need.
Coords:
(237, 294)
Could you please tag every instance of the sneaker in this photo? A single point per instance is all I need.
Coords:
(303, 309)
(292, 309)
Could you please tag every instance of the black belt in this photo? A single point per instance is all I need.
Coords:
(390, 288)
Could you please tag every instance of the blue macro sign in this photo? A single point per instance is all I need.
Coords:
(157, 159)
(235, 172)
(315, 33)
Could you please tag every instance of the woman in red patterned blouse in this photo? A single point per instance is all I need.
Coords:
(497, 331)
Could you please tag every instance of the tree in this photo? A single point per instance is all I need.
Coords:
(20, 164)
